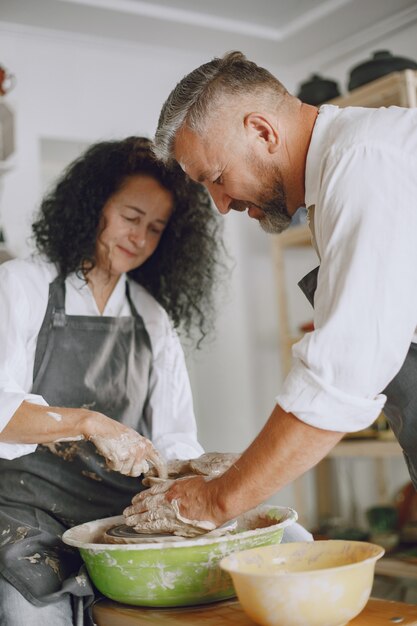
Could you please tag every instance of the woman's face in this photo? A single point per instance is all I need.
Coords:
(133, 220)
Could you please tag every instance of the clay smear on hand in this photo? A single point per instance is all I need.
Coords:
(129, 454)
(153, 513)
(204, 525)
(208, 464)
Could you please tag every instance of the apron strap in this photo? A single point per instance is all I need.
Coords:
(138, 318)
(55, 315)
(131, 305)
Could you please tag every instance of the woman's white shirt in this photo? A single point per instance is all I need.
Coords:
(24, 288)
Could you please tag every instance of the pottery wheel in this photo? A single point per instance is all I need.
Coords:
(126, 534)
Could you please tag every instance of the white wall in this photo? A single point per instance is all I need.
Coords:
(82, 90)
(78, 91)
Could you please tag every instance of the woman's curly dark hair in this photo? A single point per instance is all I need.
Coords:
(185, 266)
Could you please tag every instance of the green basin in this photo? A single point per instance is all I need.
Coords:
(176, 573)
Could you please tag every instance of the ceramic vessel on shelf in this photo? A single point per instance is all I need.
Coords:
(317, 90)
(382, 62)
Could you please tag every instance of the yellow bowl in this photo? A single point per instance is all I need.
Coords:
(322, 583)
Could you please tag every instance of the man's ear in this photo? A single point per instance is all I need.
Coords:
(262, 128)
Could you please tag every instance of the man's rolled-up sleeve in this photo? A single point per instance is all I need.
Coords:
(321, 405)
(366, 299)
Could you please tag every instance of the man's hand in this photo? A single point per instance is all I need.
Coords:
(160, 509)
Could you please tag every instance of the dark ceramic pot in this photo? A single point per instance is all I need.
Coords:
(382, 63)
(317, 90)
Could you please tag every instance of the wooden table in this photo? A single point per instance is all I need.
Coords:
(230, 613)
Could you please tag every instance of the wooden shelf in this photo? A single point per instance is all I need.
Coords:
(396, 89)
(396, 568)
(295, 236)
(367, 448)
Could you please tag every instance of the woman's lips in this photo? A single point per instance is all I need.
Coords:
(127, 252)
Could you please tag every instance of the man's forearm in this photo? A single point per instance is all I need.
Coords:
(284, 449)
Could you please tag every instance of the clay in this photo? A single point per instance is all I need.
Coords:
(165, 517)
(251, 521)
(209, 464)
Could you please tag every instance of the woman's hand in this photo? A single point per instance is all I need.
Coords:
(123, 448)
(209, 464)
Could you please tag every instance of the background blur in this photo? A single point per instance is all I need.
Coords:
(88, 70)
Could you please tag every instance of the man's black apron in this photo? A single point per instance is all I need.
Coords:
(401, 406)
(98, 362)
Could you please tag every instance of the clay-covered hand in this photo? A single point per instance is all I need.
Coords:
(210, 464)
(181, 507)
(151, 513)
(126, 451)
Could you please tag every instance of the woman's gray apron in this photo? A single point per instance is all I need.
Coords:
(401, 406)
(98, 362)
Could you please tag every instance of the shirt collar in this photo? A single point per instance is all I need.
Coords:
(117, 298)
(78, 282)
(316, 151)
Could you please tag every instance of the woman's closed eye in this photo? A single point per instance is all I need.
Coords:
(131, 218)
(155, 230)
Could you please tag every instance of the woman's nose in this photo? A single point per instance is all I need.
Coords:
(138, 236)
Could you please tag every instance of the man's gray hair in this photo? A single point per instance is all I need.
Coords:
(197, 94)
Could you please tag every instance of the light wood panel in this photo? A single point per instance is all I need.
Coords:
(230, 613)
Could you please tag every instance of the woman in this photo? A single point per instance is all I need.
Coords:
(90, 367)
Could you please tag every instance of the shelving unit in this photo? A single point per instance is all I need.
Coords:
(398, 88)
(295, 237)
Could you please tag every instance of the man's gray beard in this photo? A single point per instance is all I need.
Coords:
(277, 219)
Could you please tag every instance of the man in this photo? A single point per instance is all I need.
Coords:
(232, 126)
